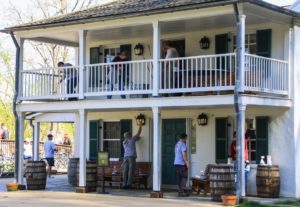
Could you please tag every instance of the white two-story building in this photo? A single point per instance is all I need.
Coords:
(201, 80)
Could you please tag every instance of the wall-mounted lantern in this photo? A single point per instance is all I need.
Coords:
(139, 49)
(140, 120)
(204, 43)
(202, 119)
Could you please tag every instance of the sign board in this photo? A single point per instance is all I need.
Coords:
(103, 159)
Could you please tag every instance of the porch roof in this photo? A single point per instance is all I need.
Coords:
(133, 8)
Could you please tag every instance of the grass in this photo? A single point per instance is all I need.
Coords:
(292, 203)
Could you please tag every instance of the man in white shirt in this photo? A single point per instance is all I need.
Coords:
(167, 74)
(49, 148)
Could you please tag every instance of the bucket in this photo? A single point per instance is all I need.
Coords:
(36, 175)
(72, 171)
(221, 179)
(268, 181)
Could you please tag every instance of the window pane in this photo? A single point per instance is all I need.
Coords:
(113, 148)
(252, 38)
(193, 138)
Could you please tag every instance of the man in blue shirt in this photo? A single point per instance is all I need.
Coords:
(181, 164)
(49, 148)
(129, 157)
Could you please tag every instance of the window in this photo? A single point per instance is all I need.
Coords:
(250, 43)
(110, 53)
(112, 139)
(257, 138)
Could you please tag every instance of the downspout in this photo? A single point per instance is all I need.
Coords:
(16, 94)
(239, 107)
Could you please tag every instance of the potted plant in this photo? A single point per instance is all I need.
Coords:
(12, 186)
(229, 200)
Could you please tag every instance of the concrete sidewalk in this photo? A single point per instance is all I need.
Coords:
(59, 193)
(68, 199)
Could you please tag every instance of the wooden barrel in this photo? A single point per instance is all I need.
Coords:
(35, 173)
(221, 179)
(268, 181)
(72, 170)
(91, 175)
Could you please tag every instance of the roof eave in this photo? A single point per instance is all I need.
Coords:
(119, 16)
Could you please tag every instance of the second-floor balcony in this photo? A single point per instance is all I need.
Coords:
(191, 75)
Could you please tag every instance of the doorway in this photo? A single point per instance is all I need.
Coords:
(171, 130)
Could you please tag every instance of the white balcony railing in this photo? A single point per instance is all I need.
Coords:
(178, 75)
(200, 73)
(50, 83)
(266, 75)
(120, 78)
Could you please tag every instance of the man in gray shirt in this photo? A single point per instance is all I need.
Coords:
(129, 157)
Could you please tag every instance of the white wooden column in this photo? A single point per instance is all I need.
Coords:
(156, 149)
(82, 62)
(156, 57)
(240, 149)
(82, 148)
(240, 83)
(21, 44)
(21, 149)
(36, 140)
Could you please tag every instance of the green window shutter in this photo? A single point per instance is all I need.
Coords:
(264, 42)
(126, 126)
(94, 73)
(221, 140)
(94, 139)
(127, 48)
(262, 128)
(94, 55)
(221, 47)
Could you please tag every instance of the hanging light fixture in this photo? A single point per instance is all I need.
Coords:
(202, 119)
(139, 49)
(140, 120)
(204, 43)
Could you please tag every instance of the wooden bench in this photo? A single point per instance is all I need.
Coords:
(113, 175)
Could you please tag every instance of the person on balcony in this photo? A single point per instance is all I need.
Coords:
(129, 157)
(167, 73)
(70, 76)
(182, 165)
(122, 70)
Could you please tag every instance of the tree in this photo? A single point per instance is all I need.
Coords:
(45, 55)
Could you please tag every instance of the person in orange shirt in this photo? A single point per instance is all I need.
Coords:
(233, 146)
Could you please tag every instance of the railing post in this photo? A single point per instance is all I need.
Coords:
(156, 57)
(82, 61)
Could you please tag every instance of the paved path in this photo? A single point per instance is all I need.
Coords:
(59, 194)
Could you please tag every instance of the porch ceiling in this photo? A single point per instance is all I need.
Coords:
(254, 15)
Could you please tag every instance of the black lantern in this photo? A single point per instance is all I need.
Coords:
(140, 120)
(139, 49)
(204, 43)
(202, 119)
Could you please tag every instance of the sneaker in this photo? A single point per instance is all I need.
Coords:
(51, 177)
